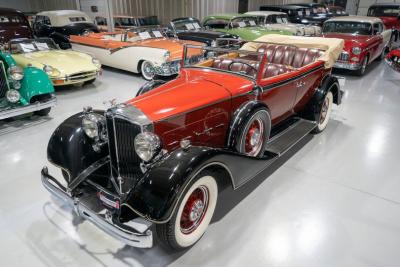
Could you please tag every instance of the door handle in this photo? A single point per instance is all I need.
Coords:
(300, 84)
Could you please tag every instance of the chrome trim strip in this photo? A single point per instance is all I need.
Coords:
(8, 113)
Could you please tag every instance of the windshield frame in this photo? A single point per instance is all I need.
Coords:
(139, 30)
(256, 78)
(33, 41)
(343, 22)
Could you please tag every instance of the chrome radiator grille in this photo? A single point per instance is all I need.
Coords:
(343, 57)
(125, 162)
(3, 80)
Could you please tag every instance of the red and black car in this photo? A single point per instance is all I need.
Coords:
(13, 25)
(161, 157)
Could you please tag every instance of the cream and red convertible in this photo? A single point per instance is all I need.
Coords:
(140, 50)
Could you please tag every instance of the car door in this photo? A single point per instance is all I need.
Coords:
(377, 43)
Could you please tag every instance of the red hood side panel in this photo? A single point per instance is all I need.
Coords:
(191, 90)
(351, 40)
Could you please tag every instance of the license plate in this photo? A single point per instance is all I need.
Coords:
(108, 200)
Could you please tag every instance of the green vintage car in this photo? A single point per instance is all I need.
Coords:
(245, 26)
(23, 90)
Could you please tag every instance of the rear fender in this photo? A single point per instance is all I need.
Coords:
(70, 149)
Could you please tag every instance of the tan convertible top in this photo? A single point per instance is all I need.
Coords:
(332, 46)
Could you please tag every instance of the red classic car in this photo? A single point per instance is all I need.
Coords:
(365, 39)
(161, 157)
(389, 13)
(393, 59)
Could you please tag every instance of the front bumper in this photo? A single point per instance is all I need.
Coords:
(75, 79)
(16, 111)
(135, 233)
(347, 65)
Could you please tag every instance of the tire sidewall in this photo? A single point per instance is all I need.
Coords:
(240, 143)
(321, 126)
(145, 76)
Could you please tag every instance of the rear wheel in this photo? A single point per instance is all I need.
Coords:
(193, 214)
(325, 113)
(254, 134)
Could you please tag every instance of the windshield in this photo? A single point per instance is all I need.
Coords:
(282, 19)
(31, 45)
(148, 21)
(384, 11)
(134, 35)
(124, 21)
(243, 22)
(244, 63)
(186, 24)
(362, 28)
(319, 9)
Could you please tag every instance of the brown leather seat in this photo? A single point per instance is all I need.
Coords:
(290, 55)
(272, 70)
(236, 65)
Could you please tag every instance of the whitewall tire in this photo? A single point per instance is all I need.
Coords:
(192, 215)
(325, 113)
(147, 70)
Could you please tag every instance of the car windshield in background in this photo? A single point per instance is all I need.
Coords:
(187, 25)
(32, 45)
(384, 11)
(147, 21)
(245, 63)
(134, 35)
(319, 9)
(124, 22)
(4, 20)
(351, 27)
(282, 19)
(243, 22)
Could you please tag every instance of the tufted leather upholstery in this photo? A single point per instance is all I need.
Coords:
(237, 65)
(290, 55)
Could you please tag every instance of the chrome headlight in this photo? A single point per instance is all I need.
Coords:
(166, 55)
(214, 43)
(356, 50)
(16, 73)
(48, 69)
(95, 61)
(93, 125)
(147, 145)
(13, 96)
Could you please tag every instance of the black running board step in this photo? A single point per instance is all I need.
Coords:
(283, 141)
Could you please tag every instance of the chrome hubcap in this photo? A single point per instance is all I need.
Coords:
(324, 111)
(254, 142)
(194, 210)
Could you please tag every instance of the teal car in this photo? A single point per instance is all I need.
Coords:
(22, 91)
(245, 26)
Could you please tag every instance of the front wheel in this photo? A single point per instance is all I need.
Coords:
(192, 215)
(147, 70)
(361, 71)
(325, 113)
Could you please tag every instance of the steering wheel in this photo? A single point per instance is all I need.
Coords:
(245, 63)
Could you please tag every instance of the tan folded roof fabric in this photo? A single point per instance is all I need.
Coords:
(332, 46)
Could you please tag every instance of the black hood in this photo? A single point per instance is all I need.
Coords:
(203, 36)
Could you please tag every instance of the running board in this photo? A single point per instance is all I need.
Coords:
(283, 141)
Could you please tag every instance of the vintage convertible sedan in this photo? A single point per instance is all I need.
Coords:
(273, 20)
(244, 26)
(64, 67)
(162, 157)
(147, 51)
(393, 59)
(365, 38)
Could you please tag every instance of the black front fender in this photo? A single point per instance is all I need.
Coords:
(70, 149)
(157, 194)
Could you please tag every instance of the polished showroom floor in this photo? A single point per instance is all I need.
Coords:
(334, 200)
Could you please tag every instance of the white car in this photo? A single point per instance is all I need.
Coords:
(274, 20)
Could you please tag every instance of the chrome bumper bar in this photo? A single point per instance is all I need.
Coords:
(13, 112)
(135, 233)
(346, 65)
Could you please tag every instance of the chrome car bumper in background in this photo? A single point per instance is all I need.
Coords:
(20, 110)
(76, 78)
(135, 233)
(347, 65)
(168, 68)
